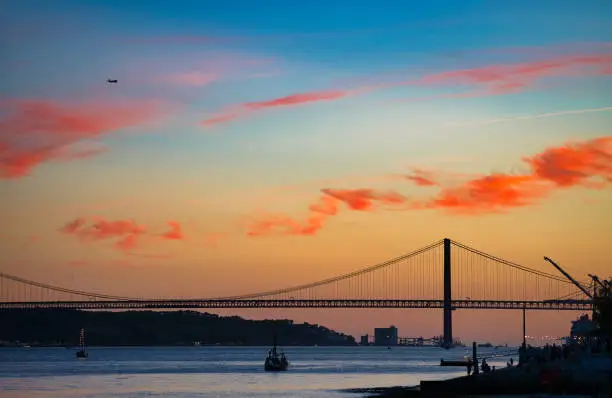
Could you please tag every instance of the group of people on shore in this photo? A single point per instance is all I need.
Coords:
(484, 367)
(548, 353)
(539, 355)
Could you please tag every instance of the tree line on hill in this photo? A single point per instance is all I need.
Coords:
(151, 328)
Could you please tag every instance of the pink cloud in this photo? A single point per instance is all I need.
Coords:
(497, 79)
(286, 101)
(126, 233)
(221, 118)
(37, 131)
(510, 78)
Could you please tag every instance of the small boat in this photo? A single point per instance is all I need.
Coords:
(82, 352)
(276, 362)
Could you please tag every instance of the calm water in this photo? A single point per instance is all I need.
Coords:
(218, 371)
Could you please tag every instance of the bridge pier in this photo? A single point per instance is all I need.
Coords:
(448, 305)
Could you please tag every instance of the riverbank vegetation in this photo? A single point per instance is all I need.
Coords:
(154, 328)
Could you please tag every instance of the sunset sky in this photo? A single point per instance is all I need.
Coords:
(249, 147)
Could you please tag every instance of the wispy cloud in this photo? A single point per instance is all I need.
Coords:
(527, 117)
(287, 101)
(502, 79)
(496, 79)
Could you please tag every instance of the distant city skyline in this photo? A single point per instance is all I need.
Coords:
(247, 148)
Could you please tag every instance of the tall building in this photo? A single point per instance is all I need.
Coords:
(365, 340)
(385, 336)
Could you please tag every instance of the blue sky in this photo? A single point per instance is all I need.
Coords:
(63, 49)
(165, 164)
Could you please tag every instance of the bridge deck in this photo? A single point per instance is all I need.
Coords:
(569, 305)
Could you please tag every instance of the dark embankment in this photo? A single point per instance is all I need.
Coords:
(554, 378)
(150, 328)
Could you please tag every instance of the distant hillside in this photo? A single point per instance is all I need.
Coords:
(150, 328)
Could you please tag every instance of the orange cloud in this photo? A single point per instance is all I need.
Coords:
(569, 165)
(421, 178)
(327, 206)
(127, 232)
(175, 233)
(364, 199)
(37, 131)
(489, 193)
(128, 235)
(574, 163)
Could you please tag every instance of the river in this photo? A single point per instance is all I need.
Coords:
(219, 371)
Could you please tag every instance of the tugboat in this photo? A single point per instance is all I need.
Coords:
(82, 353)
(274, 361)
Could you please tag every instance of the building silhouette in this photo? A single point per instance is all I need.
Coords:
(385, 336)
(365, 340)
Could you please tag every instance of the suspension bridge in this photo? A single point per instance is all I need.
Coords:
(447, 275)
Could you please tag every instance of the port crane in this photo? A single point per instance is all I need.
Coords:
(605, 285)
(574, 281)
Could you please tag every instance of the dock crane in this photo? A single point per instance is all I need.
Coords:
(605, 285)
(568, 276)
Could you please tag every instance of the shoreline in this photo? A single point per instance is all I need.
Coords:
(388, 392)
(577, 378)
(167, 346)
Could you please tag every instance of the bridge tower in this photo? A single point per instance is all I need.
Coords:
(448, 304)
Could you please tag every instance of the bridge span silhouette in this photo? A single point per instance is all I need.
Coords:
(445, 275)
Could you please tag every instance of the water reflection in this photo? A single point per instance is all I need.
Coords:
(216, 371)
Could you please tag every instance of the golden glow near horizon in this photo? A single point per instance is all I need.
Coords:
(237, 166)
